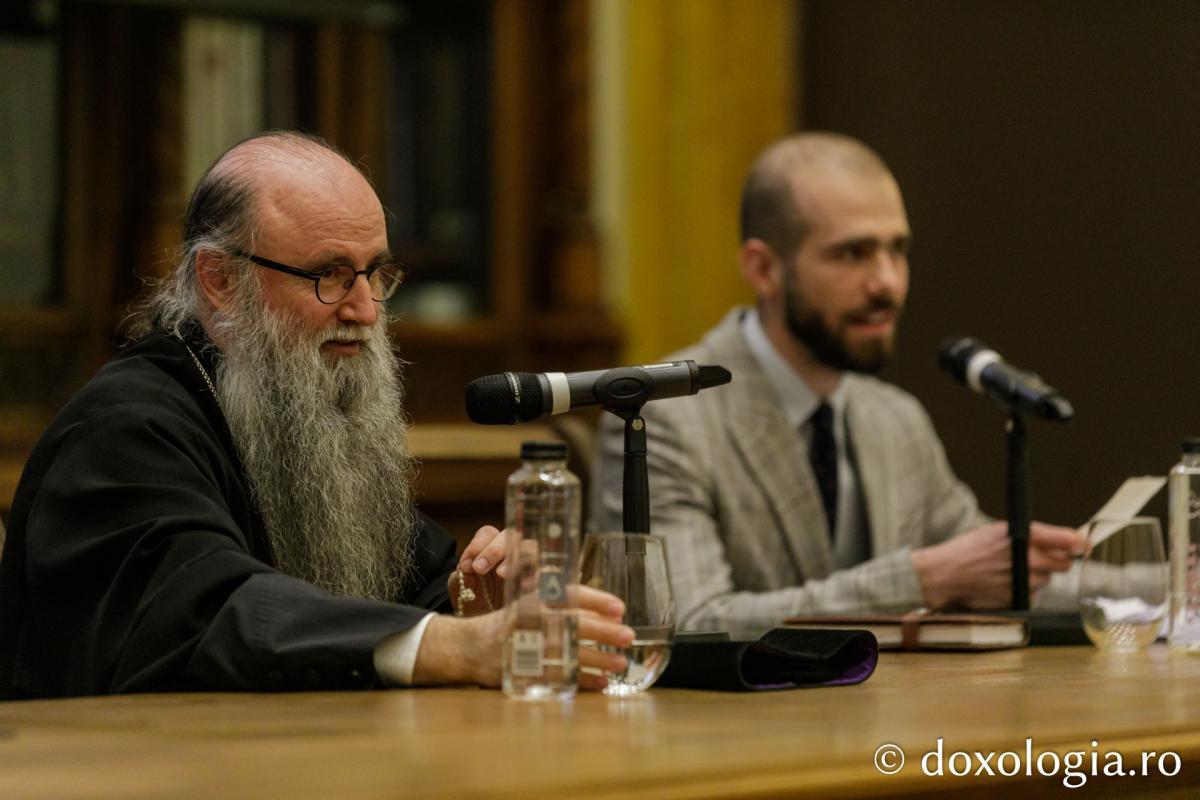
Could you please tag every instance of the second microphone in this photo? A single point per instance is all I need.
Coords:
(512, 397)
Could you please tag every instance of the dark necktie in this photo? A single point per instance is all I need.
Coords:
(824, 459)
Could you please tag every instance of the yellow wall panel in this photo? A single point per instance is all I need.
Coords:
(706, 84)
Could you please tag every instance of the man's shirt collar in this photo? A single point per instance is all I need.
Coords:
(796, 398)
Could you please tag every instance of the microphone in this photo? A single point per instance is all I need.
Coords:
(512, 397)
(982, 369)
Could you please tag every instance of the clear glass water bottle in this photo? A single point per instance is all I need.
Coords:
(542, 509)
(1184, 539)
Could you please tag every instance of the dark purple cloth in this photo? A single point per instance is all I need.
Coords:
(784, 658)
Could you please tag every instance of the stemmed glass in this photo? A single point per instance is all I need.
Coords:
(1123, 583)
(633, 566)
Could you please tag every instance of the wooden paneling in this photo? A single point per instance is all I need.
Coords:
(516, 110)
(547, 312)
(350, 93)
(122, 205)
(463, 472)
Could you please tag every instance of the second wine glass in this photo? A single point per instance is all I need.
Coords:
(633, 566)
(1123, 583)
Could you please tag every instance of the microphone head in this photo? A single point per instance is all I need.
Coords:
(504, 399)
(713, 375)
(1057, 408)
(956, 352)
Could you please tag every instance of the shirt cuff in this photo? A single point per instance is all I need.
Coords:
(905, 591)
(396, 655)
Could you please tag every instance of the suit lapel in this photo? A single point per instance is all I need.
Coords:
(773, 453)
(873, 456)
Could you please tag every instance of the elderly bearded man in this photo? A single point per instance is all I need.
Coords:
(227, 504)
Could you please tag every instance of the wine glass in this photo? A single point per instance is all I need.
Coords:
(1123, 583)
(633, 566)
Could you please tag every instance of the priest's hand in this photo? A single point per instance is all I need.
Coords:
(468, 650)
(477, 586)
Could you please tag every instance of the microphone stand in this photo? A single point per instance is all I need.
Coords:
(623, 392)
(1018, 503)
(635, 504)
(635, 481)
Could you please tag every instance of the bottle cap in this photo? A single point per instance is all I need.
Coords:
(547, 451)
(1191, 445)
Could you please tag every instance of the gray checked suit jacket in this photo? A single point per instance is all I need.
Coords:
(733, 495)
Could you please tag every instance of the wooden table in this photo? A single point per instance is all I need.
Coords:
(474, 744)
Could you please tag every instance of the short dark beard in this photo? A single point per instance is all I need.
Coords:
(324, 445)
(827, 345)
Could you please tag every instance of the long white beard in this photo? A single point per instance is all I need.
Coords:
(324, 444)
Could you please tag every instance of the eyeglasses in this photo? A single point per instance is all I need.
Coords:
(332, 284)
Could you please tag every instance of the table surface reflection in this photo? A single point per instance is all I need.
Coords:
(470, 743)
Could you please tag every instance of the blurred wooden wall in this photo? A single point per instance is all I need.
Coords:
(124, 106)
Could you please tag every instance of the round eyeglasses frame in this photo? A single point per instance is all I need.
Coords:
(341, 278)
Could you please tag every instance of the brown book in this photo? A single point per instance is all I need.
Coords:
(920, 630)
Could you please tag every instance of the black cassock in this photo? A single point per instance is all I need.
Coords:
(136, 561)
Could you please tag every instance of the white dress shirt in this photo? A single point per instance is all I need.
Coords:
(396, 655)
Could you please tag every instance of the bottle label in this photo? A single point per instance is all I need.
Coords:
(527, 650)
(551, 589)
